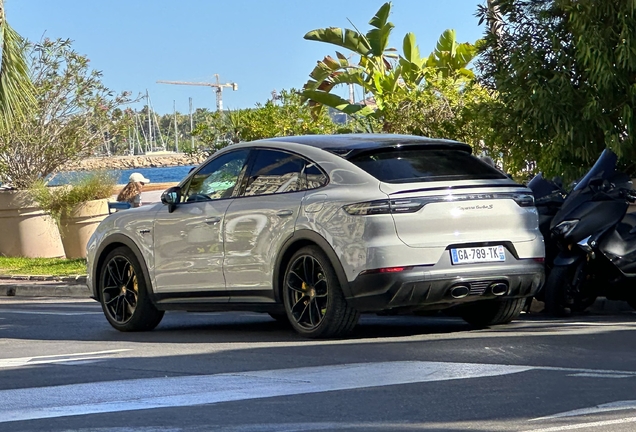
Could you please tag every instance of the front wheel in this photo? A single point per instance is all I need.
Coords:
(313, 298)
(123, 293)
(493, 312)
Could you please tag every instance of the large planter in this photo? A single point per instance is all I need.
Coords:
(25, 229)
(78, 226)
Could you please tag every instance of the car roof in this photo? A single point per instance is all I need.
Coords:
(348, 145)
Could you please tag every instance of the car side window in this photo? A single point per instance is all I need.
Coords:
(274, 172)
(313, 177)
(217, 179)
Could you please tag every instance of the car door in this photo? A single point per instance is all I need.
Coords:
(260, 221)
(188, 242)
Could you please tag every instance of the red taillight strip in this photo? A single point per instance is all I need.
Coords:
(387, 270)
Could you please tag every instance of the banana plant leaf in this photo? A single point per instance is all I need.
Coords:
(345, 38)
(335, 101)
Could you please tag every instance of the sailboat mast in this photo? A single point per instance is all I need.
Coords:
(191, 123)
(176, 133)
(149, 121)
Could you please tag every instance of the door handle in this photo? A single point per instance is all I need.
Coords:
(283, 213)
(213, 220)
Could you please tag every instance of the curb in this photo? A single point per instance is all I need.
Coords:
(74, 291)
(44, 286)
(69, 280)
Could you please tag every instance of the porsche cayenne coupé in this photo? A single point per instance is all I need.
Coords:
(316, 230)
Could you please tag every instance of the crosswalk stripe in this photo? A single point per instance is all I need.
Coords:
(117, 396)
(60, 358)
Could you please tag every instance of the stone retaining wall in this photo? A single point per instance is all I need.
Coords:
(128, 162)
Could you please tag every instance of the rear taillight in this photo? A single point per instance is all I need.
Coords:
(412, 205)
(368, 208)
(384, 207)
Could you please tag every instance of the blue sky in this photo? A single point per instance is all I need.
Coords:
(256, 43)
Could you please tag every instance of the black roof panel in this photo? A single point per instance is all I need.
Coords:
(348, 144)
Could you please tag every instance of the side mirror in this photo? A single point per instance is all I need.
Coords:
(171, 197)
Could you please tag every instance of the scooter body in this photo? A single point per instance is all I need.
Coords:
(549, 196)
(597, 241)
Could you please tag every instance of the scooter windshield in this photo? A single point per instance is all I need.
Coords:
(604, 168)
(540, 186)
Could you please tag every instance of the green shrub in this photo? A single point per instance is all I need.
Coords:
(59, 201)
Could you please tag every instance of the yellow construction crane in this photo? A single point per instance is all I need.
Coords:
(217, 86)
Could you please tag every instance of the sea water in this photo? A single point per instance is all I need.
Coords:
(172, 174)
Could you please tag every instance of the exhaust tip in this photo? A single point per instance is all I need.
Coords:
(459, 291)
(499, 288)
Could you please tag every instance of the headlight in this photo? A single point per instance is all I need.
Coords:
(565, 228)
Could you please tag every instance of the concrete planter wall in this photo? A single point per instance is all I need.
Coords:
(77, 227)
(25, 229)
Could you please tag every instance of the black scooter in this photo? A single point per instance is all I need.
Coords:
(597, 242)
(549, 196)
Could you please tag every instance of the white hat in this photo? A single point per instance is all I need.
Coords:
(138, 178)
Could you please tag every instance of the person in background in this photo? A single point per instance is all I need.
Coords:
(131, 193)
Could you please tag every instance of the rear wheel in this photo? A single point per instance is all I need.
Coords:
(487, 313)
(632, 302)
(124, 295)
(314, 301)
(563, 295)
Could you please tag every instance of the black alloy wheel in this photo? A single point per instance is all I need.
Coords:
(313, 298)
(123, 293)
(307, 288)
(120, 289)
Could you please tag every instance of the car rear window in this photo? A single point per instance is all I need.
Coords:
(422, 165)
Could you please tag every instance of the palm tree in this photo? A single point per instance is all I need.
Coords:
(17, 94)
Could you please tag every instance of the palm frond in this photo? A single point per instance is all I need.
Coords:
(17, 94)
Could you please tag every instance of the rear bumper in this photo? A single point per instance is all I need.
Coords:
(428, 288)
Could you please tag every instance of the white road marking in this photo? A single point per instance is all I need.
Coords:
(31, 312)
(597, 373)
(600, 375)
(612, 406)
(597, 424)
(60, 358)
(115, 396)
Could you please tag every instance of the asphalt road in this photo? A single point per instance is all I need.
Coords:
(63, 368)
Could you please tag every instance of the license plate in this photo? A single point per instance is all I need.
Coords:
(478, 254)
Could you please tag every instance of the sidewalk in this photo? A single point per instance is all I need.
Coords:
(56, 286)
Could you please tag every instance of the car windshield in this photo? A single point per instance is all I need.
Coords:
(424, 165)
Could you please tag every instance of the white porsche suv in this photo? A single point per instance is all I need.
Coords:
(318, 229)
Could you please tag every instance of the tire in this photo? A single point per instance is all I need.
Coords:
(314, 302)
(632, 303)
(561, 298)
(280, 317)
(123, 293)
(488, 313)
